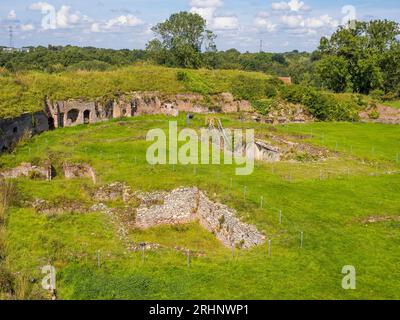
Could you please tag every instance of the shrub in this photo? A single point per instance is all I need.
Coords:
(322, 105)
(374, 114)
(377, 94)
(182, 76)
(263, 106)
(248, 88)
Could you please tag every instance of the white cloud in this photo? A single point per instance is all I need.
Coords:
(225, 23)
(206, 3)
(263, 23)
(124, 20)
(12, 15)
(42, 6)
(27, 27)
(95, 27)
(62, 18)
(65, 19)
(207, 9)
(292, 5)
(206, 13)
(300, 25)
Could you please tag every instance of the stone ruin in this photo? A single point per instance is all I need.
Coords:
(47, 172)
(185, 205)
(74, 171)
(69, 113)
(28, 170)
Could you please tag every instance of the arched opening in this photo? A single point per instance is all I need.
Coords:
(15, 130)
(86, 116)
(4, 149)
(50, 121)
(73, 115)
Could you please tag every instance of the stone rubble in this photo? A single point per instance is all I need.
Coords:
(28, 170)
(74, 171)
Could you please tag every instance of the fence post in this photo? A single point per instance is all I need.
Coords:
(188, 258)
(142, 245)
(98, 259)
(269, 247)
(280, 216)
(261, 202)
(301, 239)
(244, 192)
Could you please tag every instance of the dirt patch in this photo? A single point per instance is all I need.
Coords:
(379, 219)
(381, 114)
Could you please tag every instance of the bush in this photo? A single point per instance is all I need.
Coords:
(322, 105)
(262, 106)
(182, 76)
(248, 88)
(377, 94)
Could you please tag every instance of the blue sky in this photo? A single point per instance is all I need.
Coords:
(282, 25)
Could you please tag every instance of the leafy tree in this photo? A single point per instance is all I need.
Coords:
(334, 73)
(183, 36)
(370, 50)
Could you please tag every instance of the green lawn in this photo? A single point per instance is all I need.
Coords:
(329, 211)
(395, 104)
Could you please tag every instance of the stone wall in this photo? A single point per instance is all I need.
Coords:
(70, 113)
(13, 130)
(186, 205)
(28, 170)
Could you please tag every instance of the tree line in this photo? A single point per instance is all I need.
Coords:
(361, 58)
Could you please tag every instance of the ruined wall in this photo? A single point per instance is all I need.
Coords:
(185, 205)
(26, 125)
(59, 114)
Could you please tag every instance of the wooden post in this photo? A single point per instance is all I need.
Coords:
(269, 248)
(261, 202)
(301, 239)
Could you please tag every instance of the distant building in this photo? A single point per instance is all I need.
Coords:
(286, 80)
(11, 50)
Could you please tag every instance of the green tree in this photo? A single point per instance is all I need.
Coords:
(370, 50)
(334, 73)
(183, 35)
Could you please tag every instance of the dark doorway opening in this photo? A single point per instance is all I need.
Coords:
(51, 123)
(73, 115)
(61, 120)
(86, 117)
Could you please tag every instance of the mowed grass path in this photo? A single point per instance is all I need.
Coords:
(329, 208)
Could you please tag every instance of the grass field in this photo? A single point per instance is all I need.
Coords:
(328, 201)
(395, 104)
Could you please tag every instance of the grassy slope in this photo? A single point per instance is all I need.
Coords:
(24, 92)
(329, 211)
(395, 104)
